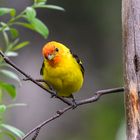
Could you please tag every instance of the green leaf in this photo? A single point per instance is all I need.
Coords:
(11, 90)
(30, 13)
(7, 28)
(50, 7)
(11, 54)
(8, 134)
(13, 12)
(40, 27)
(14, 32)
(3, 64)
(6, 38)
(10, 74)
(20, 45)
(12, 129)
(4, 11)
(40, 1)
(12, 44)
(2, 108)
(26, 25)
(16, 105)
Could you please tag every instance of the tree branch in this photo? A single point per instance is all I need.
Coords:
(58, 113)
(92, 99)
(52, 92)
(131, 57)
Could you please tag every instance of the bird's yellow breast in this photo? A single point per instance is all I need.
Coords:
(65, 77)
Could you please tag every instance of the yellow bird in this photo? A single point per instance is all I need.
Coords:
(62, 69)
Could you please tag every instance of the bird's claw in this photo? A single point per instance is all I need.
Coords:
(54, 94)
(74, 104)
(25, 79)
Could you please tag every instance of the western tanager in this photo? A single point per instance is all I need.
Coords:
(62, 69)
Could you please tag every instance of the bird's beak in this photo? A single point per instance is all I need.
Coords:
(50, 56)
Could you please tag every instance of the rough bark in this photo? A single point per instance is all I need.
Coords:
(131, 52)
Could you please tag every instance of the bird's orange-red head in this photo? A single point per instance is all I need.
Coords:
(52, 52)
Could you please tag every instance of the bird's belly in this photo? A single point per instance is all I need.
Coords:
(65, 83)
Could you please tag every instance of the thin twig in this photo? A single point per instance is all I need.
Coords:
(36, 134)
(41, 81)
(98, 94)
(58, 114)
(52, 92)
(92, 99)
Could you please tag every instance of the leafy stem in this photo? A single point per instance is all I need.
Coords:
(12, 21)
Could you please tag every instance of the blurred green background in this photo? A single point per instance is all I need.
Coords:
(92, 29)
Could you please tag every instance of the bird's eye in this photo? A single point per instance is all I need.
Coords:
(56, 49)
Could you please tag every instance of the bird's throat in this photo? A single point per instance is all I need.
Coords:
(54, 62)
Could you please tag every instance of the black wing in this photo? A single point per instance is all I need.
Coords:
(42, 67)
(79, 62)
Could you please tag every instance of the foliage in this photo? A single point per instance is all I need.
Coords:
(11, 36)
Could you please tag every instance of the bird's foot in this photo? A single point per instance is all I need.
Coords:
(74, 104)
(25, 79)
(53, 95)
